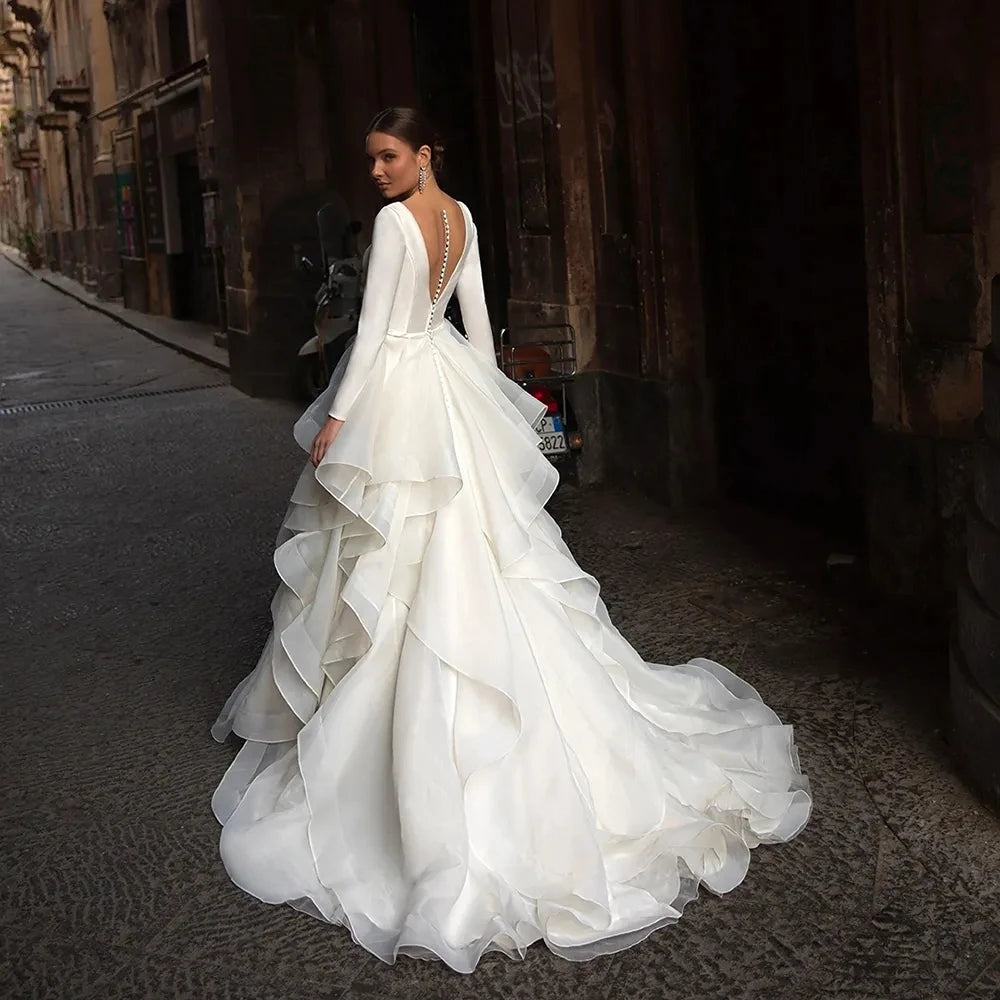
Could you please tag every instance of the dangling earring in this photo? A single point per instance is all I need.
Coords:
(422, 179)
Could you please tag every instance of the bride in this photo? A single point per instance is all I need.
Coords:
(449, 748)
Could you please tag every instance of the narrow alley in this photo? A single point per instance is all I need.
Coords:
(136, 526)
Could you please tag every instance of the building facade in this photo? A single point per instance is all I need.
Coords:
(117, 103)
(20, 159)
(159, 127)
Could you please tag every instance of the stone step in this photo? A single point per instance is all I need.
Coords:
(991, 396)
(986, 479)
(978, 636)
(982, 555)
(975, 732)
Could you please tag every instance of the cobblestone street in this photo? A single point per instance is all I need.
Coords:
(135, 567)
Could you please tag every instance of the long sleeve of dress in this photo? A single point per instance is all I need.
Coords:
(472, 299)
(384, 267)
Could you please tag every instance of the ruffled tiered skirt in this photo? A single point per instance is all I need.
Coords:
(449, 747)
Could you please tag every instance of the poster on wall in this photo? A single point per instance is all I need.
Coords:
(150, 182)
(179, 122)
(129, 220)
(127, 197)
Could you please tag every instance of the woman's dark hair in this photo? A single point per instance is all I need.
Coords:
(412, 127)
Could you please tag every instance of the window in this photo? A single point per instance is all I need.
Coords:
(178, 36)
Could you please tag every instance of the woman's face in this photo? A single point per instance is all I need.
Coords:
(394, 166)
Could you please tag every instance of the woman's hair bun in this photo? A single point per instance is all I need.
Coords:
(437, 155)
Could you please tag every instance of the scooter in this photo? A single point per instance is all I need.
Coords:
(545, 368)
(338, 298)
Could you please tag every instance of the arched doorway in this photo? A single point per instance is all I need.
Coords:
(775, 121)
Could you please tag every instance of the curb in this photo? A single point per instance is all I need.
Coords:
(14, 258)
(86, 300)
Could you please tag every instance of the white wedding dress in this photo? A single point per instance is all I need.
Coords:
(449, 747)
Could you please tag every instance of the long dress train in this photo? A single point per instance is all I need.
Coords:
(449, 748)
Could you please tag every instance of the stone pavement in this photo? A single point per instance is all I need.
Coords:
(135, 544)
(194, 340)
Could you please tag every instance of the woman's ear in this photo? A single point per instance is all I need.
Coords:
(424, 155)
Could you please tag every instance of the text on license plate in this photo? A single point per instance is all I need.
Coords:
(551, 436)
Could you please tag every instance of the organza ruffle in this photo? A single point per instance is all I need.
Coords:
(449, 747)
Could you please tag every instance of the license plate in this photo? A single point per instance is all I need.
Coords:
(551, 435)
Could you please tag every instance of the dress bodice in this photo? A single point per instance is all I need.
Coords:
(398, 300)
(426, 310)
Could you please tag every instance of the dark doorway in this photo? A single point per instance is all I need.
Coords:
(451, 45)
(193, 269)
(778, 152)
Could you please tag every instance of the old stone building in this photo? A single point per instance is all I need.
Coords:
(10, 191)
(116, 102)
(20, 156)
(61, 66)
(159, 122)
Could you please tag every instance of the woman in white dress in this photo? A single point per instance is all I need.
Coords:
(449, 747)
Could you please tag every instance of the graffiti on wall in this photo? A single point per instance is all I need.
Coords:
(524, 86)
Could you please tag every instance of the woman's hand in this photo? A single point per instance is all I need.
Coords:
(327, 435)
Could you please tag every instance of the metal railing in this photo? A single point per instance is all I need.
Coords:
(550, 357)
